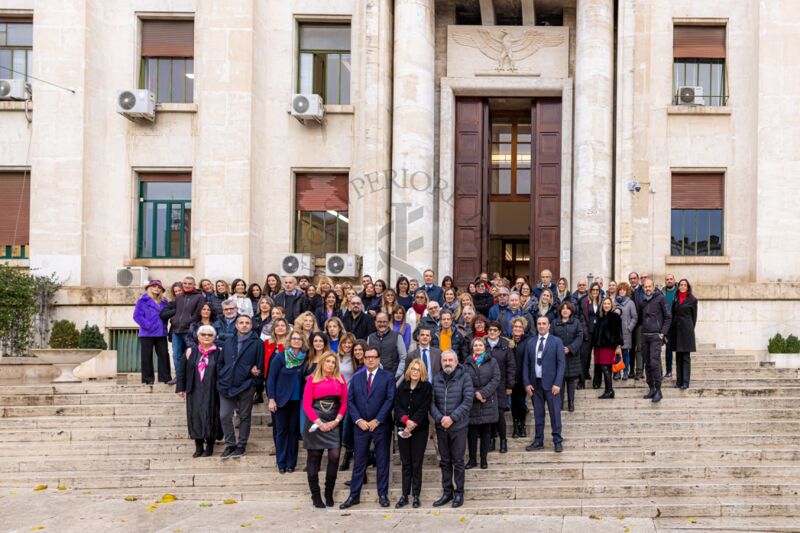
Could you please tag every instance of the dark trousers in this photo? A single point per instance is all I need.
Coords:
(412, 455)
(452, 445)
(347, 433)
(519, 402)
(243, 405)
(476, 431)
(683, 363)
(499, 428)
(159, 344)
(668, 360)
(540, 398)
(568, 386)
(638, 363)
(287, 420)
(586, 359)
(382, 439)
(651, 352)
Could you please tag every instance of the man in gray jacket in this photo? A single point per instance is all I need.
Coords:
(656, 317)
(452, 401)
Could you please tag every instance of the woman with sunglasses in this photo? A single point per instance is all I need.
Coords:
(198, 386)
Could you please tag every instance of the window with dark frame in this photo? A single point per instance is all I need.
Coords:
(15, 201)
(16, 47)
(167, 68)
(697, 219)
(321, 217)
(511, 157)
(165, 209)
(699, 61)
(324, 62)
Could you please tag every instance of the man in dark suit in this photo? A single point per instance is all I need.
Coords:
(542, 374)
(369, 404)
(431, 357)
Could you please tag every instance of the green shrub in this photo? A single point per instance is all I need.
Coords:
(64, 335)
(91, 338)
(17, 309)
(792, 344)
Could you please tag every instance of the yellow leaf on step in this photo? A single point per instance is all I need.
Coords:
(246, 524)
(387, 516)
(177, 531)
(626, 530)
(62, 487)
(620, 518)
(86, 492)
(691, 520)
(463, 520)
(206, 504)
(131, 498)
(437, 513)
(595, 517)
(168, 498)
(41, 487)
(257, 517)
(229, 502)
(37, 528)
(12, 492)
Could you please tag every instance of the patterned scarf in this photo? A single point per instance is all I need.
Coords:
(478, 359)
(203, 364)
(293, 360)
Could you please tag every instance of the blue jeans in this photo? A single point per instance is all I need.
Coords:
(178, 348)
(668, 357)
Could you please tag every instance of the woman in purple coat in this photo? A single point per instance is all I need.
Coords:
(152, 332)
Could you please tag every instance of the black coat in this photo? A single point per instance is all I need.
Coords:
(483, 302)
(608, 331)
(504, 355)
(361, 326)
(485, 380)
(234, 366)
(571, 334)
(588, 317)
(519, 357)
(684, 319)
(414, 404)
(293, 304)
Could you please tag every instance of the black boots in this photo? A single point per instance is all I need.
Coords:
(330, 484)
(198, 448)
(609, 391)
(515, 433)
(209, 448)
(492, 444)
(348, 456)
(649, 395)
(523, 431)
(657, 395)
(313, 484)
(503, 446)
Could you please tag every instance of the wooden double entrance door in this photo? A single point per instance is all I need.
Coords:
(507, 198)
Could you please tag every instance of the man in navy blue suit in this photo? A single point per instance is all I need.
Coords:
(369, 404)
(543, 372)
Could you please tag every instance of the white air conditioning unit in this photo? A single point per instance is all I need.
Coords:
(343, 265)
(137, 103)
(133, 276)
(13, 90)
(688, 95)
(297, 265)
(307, 107)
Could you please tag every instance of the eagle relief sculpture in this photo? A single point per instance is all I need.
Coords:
(506, 49)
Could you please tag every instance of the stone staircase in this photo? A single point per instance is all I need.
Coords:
(727, 447)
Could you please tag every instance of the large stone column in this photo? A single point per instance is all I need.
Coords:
(593, 180)
(413, 225)
(370, 178)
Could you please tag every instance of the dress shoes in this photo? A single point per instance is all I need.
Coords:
(458, 501)
(349, 502)
(445, 499)
(559, 448)
(534, 446)
(415, 503)
(470, 465)
(384, 501)
(228, 451)
(402, 502)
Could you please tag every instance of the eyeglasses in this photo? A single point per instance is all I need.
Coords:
(206, 334)
(370, 357)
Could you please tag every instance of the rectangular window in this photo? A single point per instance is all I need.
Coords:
(15, 201)
(699, 61)
(324, 62)
(697, 209)
(165, 209)
(322, 222)
(167, 68)
(511, 157)
(16, 48)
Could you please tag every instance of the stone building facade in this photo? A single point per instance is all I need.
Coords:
(474, 135)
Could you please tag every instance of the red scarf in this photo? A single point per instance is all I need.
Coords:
(419, 309)
(479, 334)
(682, 297)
